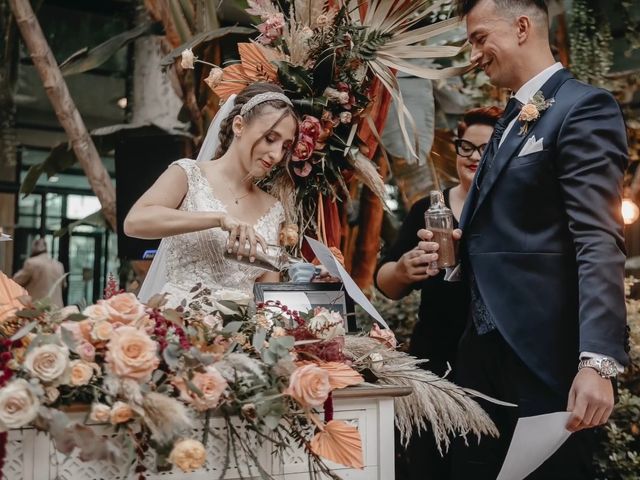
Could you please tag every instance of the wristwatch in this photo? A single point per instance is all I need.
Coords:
(606, 367)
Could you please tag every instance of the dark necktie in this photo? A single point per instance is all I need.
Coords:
(510, 112)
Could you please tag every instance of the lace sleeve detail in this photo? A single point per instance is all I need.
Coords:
(189, 166)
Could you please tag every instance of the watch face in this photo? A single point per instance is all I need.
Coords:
(608, 367)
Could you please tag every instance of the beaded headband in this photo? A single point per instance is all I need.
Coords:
(264, 97)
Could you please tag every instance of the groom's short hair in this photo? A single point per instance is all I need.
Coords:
(463, 7)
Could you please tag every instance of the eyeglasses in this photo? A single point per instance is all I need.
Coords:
(465, 148)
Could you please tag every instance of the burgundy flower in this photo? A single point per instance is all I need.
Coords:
(311, 127)
(303, 148)
(304, 170)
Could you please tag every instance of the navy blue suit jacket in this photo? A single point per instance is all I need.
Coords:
(544, 233)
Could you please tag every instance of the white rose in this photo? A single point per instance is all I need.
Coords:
(48, 362)
(236, 296)
(18, 405)
(345, 117)
(97, 312)
(102, 331)
(100, 413)
(187, 59)
(215, 77)
(327, 325)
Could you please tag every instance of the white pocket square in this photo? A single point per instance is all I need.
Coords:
(532, 146)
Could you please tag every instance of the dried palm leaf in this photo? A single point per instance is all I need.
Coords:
(307, 12)
(367, 172)
(339, 442)
(436, 404)
(10, 292)
(341, 375)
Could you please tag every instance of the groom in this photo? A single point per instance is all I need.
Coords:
(542, 245)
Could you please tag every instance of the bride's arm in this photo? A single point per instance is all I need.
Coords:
(156, 214)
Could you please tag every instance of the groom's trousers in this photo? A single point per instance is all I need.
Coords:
(488, 364)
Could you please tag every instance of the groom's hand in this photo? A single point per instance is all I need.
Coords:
(590, 400)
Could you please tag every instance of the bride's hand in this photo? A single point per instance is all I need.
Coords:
(239, 234)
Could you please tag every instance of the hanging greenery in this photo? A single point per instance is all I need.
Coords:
(590, 38)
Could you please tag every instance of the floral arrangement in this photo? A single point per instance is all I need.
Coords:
(152, 374)
(532, 110)
(336, 60)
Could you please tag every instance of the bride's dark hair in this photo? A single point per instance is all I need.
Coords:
(226, 127)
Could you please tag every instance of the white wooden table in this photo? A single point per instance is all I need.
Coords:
(31, 455)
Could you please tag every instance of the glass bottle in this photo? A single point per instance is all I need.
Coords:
(439, 220)
(275, 259)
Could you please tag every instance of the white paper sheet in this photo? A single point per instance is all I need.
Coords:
(335, 269)
(5, 238)
(535, 439)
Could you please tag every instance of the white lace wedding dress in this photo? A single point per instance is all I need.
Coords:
(197, 257)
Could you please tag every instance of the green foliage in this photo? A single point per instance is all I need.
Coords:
(618, 457)
(590, 37)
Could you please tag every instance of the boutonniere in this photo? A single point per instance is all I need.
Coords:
(531, 111)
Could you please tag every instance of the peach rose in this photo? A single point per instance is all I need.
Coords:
(81, 373)
(100, 413)
(18, 405)
(124, 308)
(289, 235)
(385, 336)
(211, 384)
(48, 362)
(188, 455)
(97, 312)
(120, 413)
(51, 394)
(309, 385)
(529, 113)
(131, 353)
(102, 331)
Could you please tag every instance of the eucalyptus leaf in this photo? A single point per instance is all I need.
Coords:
(76, 317)
(232, 327)
(171, 355)
(28, 328)
(68, 339)
(59, 159)
(258, 339)
(193, 388)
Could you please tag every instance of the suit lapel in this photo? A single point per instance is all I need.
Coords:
(509, 148)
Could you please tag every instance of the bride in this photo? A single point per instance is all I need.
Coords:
(202, 208)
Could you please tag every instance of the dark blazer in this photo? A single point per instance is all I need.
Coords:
(544, 234)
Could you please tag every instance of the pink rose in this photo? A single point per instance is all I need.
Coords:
(385, 336)
(309, 385)
(86, 351)
(131, 353)
(124, 308)
(271, 29)
(311, 127)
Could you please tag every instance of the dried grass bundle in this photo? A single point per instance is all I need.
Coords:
(435, 402)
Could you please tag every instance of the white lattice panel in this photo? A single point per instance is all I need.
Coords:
(32, 456)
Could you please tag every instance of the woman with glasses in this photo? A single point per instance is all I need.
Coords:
(443, 305)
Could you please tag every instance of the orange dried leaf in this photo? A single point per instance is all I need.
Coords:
(234, 80)
(340, 443)
(256, 66)
(10, 294)
(341, 375)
